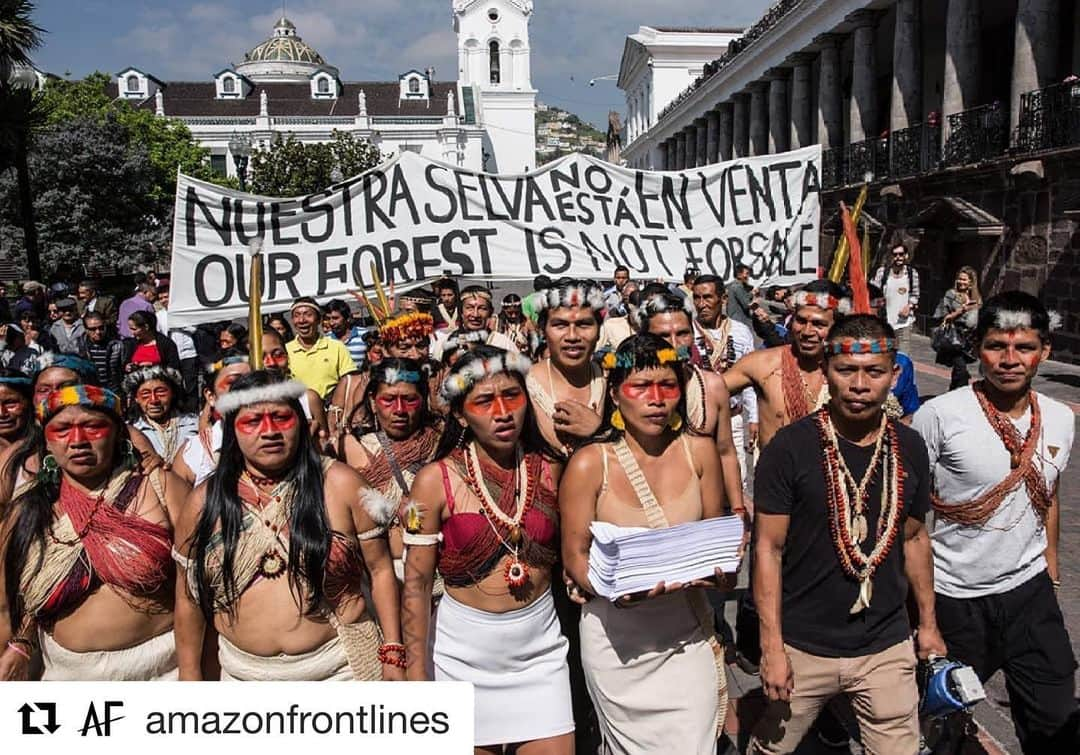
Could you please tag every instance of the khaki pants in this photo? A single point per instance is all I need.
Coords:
(882, 691)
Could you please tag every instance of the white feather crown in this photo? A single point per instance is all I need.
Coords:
(576, 295)
(460, 381)
(658, 303)
(263, 394)
(1009, 319)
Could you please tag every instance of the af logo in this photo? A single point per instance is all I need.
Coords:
(101, 724)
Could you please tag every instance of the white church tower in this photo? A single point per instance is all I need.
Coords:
(493, 71)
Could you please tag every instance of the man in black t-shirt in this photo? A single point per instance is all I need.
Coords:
(839, 539)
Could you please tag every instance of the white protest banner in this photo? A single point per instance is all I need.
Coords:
(417, 220)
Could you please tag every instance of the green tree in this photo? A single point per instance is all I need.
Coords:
(291, 168)
(93, 196)
(20, 113)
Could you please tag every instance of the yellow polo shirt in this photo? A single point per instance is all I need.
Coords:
(321, 366)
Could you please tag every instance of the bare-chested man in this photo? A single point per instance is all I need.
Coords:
(708, 403)
(789, 380)
(567, 389)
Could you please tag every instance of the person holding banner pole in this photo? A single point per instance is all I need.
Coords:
(567, 388)
(485, 513)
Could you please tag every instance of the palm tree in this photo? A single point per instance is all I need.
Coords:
(21, 109)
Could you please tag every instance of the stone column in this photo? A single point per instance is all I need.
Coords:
(701, 126)
(863, 114)
(779, 121)
(726, 137)
(906, 104)
(800, 101)
(830, 132)
(662, 147)
(759, 118)
(690, 134)
(680, 150)
(741, 125)
(1035, 52)
(960, 89)
(712, 139)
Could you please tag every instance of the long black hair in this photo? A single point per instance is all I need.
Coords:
(309, 526)
(31, 514)
(455, 434)
(379, 374)
(640, 352)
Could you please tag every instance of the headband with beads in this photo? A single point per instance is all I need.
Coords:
(393, 376)
(626, 359)
(576, 295)
(90, 396)
(822, 301)
(658, 303)
(861, 346)
(459, 382)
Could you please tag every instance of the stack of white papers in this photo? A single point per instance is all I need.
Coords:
(625, 560)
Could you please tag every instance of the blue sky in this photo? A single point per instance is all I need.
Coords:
(572, 40)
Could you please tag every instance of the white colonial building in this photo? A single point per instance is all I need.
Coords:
(482, 121)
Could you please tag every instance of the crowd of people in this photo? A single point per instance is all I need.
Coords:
(412, 495)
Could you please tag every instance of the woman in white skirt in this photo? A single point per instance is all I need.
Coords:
(652, 662)
(486, 510)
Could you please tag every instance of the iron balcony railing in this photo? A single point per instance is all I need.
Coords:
(915, 150)
(1049, 118)
(976, 135)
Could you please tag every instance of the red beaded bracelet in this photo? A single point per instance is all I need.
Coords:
(392, 648)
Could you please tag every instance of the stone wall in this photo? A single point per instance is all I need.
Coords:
(1016, 222)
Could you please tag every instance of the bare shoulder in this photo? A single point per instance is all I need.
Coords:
(341, 477)
(587, 461)
(761, 363)
(427, 485)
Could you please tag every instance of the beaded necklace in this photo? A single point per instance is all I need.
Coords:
(518, 495)
(798, 400)
(847, 518)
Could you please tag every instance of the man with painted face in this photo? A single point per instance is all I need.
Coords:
(567, 388)
(316, 361)
(998, 450)
(789, 380)
(841, 496)
(707, 399)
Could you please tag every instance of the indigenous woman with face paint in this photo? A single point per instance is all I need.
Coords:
(401, 439)
(87, 574)
(198, 456)
(154, 395)
(645, 651)
(485, 513)
(276, 549)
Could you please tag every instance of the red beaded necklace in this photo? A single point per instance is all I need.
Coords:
(847, 518)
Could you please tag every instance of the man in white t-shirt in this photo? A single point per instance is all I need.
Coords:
(997, 451)
(900, 282)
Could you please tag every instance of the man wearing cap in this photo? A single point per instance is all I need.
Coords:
(68, 331)
(33, 300)
(315, 360)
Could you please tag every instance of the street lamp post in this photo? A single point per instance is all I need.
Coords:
(240, 147)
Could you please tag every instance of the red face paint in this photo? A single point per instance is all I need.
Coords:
(399, 404)
(265, 423)
(78, 432)
(278, 359)
(160, 393)
(651, 390)
(496, 405)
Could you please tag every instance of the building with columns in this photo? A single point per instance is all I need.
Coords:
(483, 120)
(963, 115)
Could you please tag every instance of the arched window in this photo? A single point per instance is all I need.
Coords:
(228, 85)
(324, 85)
(133, 83)
(414, 86)
(493, 59)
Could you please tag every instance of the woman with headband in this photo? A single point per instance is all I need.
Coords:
(643, 652)
(154, 395)
(87, 573)
(275, 552)
(401, 439)
(485, 513)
